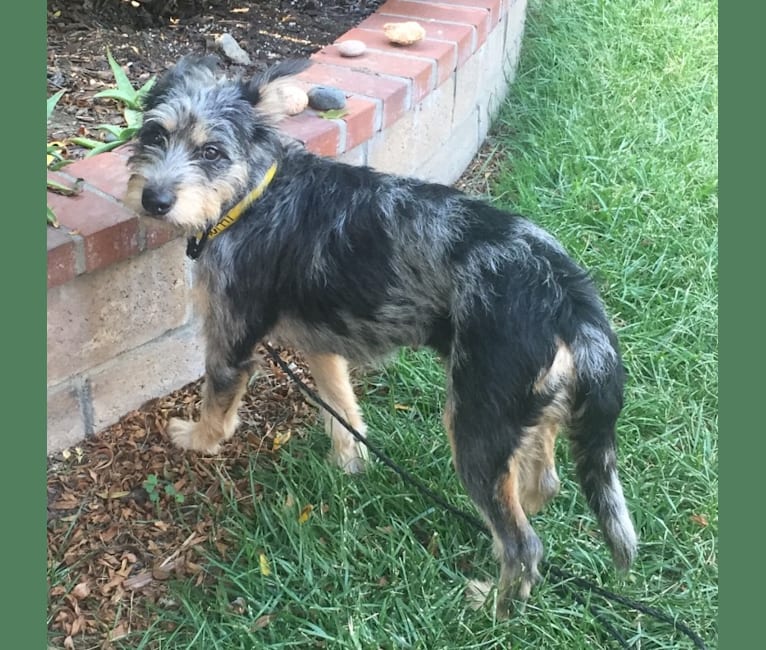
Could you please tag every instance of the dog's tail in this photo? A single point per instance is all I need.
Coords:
(597, 404)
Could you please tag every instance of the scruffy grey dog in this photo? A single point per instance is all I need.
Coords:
(345, 263)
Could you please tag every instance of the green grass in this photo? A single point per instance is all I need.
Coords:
(609, 139)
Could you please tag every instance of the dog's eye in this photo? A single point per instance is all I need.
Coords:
(211, 153)
(153, 135)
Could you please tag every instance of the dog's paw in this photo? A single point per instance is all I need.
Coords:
(186, 435)
(352, 459)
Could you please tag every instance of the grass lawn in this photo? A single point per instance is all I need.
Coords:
(609, 139)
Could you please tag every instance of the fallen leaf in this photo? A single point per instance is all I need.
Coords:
(238, 605)
(700, 520)
(333, 113)
(305, 514)
(120, 630)
(138, 581)
(281, 439)
(262, 621)
(119, 494)
(81, 590)
(477, 592)
(263, 563)
(67, 503)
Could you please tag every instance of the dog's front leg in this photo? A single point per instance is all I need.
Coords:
(221, 393)
(228, 365)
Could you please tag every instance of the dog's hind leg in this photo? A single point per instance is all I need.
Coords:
(539, 481)
(330, 372)
(492, 477)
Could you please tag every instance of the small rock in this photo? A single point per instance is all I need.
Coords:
(351, 48)
(404, 33)
(325, 98)
(232, 50)
(294, 99)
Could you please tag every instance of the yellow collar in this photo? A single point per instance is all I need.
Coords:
(195, 243)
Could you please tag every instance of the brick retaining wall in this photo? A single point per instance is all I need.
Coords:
(120, 327)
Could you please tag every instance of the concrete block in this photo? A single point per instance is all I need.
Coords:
(99, 315)
(406, 145)
(66, 425)
(450, 161)
(356, 156)
(152, 370)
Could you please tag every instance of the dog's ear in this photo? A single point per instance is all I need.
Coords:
(190, 68)
(264, 90)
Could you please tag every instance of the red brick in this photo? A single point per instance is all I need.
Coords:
(468, 15)
(108, 229)
(420, 71)
(157, 232)
(493, 7)
(361, 121)
(392, 93)
(124, 151)
(320, 136)
(461, 35)
(106, 172)
(442, 52)
(61, 257)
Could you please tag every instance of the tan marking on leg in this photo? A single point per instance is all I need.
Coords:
(447, 418)
(538, 480)
(562, 370)
(330, 371)
(218, 419)
(515, 581)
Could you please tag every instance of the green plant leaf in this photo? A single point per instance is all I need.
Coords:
(334, 113)
(123, 83)
(146, 87)
(133, 118)
(52, 101)
(115, 130)
(103, 147)
(58, 164)
(88, 143)
(52, 220)
(113, 93)
(64, 189)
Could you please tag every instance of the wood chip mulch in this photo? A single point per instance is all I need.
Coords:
(127, 510)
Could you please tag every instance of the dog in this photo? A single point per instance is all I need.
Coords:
(345, 263)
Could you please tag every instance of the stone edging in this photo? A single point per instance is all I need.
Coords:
(119, 326)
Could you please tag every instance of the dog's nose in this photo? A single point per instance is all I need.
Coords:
(157, 201)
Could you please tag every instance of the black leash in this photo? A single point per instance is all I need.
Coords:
(565, 578)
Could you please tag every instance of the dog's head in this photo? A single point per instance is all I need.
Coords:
(205, 140)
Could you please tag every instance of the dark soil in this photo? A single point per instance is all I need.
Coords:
(148, 36)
